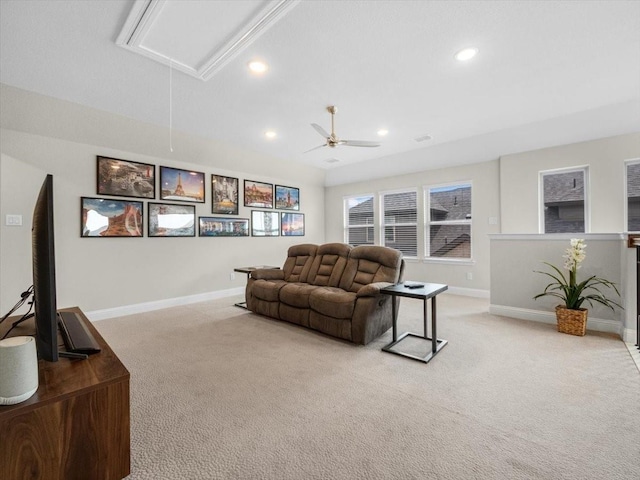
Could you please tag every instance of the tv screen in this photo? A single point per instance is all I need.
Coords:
(44, 274)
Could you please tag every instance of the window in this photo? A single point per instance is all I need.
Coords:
(448, 223)
(633, 196)
(400, 224)
(564, 198)
(358, 214)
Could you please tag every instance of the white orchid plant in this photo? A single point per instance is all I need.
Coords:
(572, 293)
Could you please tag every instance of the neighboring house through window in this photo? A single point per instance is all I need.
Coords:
(564, 200)
(358, 214)
(448, 222)
(632, 170)
(400, 221)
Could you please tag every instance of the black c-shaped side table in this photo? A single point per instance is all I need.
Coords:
(424, 292)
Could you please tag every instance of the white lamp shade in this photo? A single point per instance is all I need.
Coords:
(18, 370)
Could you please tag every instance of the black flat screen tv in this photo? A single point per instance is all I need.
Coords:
(44, 274)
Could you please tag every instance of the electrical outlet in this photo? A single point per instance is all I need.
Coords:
(493, 220)
(14, 220)
(232, 276)
(469, 276)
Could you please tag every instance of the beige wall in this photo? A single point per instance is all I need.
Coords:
(519, 174)
(104, 273)
(508, 189)
(485, 203)
(516, 258)
(42, 135)
(605, 158)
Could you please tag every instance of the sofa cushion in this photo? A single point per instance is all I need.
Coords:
(333, 302)
(267, 289)
(328, 264)
(297, 294)
(370, 264)
(298, 263)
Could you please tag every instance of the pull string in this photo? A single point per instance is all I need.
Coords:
(171, 105)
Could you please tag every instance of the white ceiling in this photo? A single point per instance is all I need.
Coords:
(547, 72)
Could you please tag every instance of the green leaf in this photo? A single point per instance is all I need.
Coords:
(574, 294)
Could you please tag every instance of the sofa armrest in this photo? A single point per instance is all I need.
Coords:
(372, 289)
(267, 274)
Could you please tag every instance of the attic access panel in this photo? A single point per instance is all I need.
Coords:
(198, 38)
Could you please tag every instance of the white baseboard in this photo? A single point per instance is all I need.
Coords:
(97, 315)
(597, 324)
(469, 292)
(630, 335)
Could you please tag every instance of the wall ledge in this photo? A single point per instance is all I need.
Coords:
(596, 324)
(557, 236)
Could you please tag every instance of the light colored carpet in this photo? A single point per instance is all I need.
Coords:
(220, 393)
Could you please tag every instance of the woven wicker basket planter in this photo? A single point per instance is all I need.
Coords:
(573, 322)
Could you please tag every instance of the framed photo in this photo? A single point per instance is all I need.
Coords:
(124, 178)
(224, 195)
(223, 227)
(292, 224)
(287, 198)
(264, 224)
(167, 220)
(107, 217)
(258, 194)
(181, 185)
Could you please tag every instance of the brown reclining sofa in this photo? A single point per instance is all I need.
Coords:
(332, 288)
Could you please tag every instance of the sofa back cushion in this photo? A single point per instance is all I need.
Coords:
(298, 263)
(329, 264)
(369, 264)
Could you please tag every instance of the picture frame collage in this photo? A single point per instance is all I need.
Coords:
(180, 190)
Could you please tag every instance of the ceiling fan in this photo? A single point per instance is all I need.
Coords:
(333, 140)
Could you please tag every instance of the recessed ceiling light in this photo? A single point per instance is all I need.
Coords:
(258, 67)
(270, 134)
(466, 54)
(382, 132)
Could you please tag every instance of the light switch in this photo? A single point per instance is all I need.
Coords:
(14, 220)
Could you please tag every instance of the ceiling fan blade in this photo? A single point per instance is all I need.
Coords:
(320, 130)
(315, 148)
(359, 143)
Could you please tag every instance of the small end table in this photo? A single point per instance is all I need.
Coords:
(248, 271)
(425, 292)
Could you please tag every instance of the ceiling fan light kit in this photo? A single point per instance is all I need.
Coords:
(332, 139)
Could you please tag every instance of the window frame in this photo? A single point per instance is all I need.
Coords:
(427, 223)
(345, 217)
(382, 225)
(625, 164)
(587, 196)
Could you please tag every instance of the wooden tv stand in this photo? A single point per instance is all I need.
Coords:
(76, 425)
